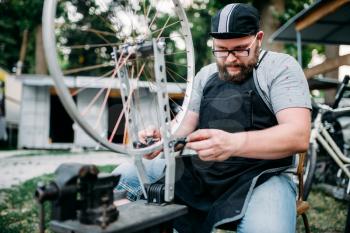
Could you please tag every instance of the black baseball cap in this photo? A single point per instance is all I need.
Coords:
(234, 21)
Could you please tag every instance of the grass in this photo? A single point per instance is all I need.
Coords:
(326, 214)
(19, 211)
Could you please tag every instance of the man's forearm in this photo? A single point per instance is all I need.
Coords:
(188, 124)
(272, 143)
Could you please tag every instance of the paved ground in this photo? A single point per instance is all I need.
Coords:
(19, 165)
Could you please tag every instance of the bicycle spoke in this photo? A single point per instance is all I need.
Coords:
(173, 114)
(178, 105)
(93, 67)
(95, 31)
(76, 70)
(126, 107)
(153, 19)
(178, 75)
(151, 57)
(171, 37)
(148, 82)
(176, 83)
(116, 126)
(87, 109)
(85, 46)
(148, 11)
(137, 96)
(169, 54)
(91, 83)
(124, 110)
(99, 33)
(177, 64)
(162, 29)
(109, 89)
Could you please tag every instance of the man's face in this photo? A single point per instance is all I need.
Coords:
(237, 68)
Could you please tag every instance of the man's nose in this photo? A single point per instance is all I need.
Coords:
(231, 57)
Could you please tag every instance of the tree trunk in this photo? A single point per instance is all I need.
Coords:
(270, 23)
(332, 51)
(23, 51)
(40, 62)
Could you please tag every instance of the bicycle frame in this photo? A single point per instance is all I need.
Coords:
(320, 134)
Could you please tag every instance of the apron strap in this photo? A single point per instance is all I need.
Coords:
(261, 57)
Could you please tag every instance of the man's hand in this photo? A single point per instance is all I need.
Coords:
(150, 132)
(212, 144)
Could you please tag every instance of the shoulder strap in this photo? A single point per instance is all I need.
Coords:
(261, 57)
(264, 97)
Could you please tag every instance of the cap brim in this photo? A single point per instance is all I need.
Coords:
(228, 35)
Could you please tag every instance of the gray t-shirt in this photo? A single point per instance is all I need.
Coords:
(280, 77)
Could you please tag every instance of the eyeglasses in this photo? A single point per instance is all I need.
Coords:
(223, 53)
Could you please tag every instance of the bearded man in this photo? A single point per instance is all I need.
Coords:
(249, 114)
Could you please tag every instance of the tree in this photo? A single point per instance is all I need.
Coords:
(21, 15)
(17, 16)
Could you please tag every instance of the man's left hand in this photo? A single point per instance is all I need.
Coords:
(212, 144)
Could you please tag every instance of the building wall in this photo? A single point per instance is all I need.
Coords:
(35, 120)
(92, 116)
(34, 117)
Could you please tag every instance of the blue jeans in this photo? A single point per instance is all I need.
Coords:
(129, 181)
(271, 209)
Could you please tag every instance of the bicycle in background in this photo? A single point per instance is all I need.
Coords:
(328, 160)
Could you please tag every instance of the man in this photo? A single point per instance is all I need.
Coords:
(249, 114)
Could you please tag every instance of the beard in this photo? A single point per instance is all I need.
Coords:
(245, 69)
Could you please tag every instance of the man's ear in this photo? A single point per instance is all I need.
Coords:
(260, 37)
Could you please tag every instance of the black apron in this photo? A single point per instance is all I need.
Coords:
(218, 192)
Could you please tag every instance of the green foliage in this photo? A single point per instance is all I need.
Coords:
(17, 16)
(293, 7)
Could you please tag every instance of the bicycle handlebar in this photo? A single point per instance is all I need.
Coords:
(341, 91)
(330, 113)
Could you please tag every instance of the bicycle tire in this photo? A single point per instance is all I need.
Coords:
(309, 169)
(54, 66)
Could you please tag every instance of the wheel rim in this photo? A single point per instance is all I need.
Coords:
(54, 49)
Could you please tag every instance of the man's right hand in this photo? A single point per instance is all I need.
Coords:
(147, 134)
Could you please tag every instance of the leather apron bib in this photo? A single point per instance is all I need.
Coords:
(217, 192)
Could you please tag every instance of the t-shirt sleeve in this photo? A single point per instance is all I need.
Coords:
(289, 87)
(199, 83)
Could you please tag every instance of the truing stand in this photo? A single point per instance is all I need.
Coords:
(144, 50)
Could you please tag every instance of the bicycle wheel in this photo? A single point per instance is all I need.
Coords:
(309, 169)
(88, 43)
